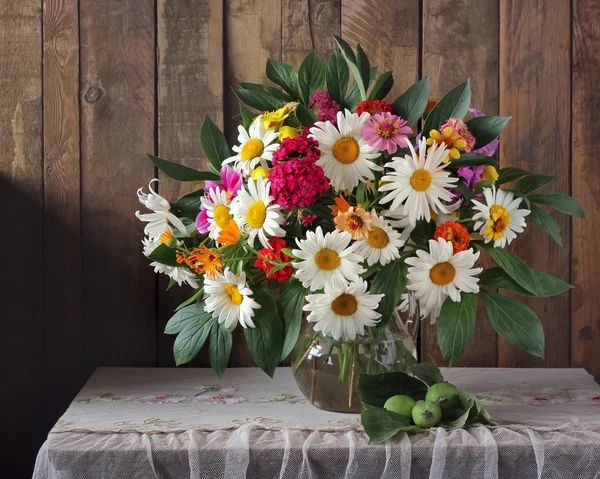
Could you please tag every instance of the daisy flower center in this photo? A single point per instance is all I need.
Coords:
(327, 259)
(252, 149)
(378, 238)
(498, 222)
(421, 180)
(234, 294)
(256, 214)
(346, 150)
(386, 128)
(442, 274)
(344, 305)
(222, 216)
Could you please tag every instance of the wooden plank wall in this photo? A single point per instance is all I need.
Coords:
(88, 87)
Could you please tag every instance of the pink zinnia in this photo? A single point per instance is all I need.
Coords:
(459, 127)
(386, 131)
(231, 182)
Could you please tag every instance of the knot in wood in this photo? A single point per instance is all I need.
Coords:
(93, 94)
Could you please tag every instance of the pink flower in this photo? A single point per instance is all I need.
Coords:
(307, 219)
(231, 182)
(386, 131)
(458, 127)
(328, 108)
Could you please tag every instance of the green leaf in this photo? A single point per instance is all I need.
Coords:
(290, 305)
(265, 341)
(423, 232)
(455, 326)
(352, 62)
(515, 322)
(260, 97)
(311, 75)
(453, 104)
(430, 374)
(285, 76)
(180, 172)
(337, 77)
(233, 252)
(391, 281)
(384, 84)
(190, 300)
(353, 97)
(381, 425)
(305, 116)
(546, 221)
(472, 159)
(485, 129)
(247, 116)
(360, 193)
(533, 182)
(510, 174)
(183, 317)
(457, 423)
(546, 285)
(560, 202)
(412, 103)
(189, 202)
(213, 143)
(165, 255)
(189, 341)
(220, 348)
(364, 67)
(376, 389)
(515, 268)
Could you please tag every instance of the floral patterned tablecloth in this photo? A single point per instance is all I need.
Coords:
(146, 422)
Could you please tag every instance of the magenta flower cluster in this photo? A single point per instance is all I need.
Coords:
(328, 108)
(296, 179)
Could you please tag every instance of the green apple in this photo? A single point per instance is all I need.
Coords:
(444, 394)
(400, 404)
(426, 414)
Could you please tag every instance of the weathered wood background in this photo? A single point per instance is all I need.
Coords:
(88, 87)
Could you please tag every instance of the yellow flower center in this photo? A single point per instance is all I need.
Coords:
(221, 215)
(421, 180)
(442, 274)
(498, 223)
(252, 148)
(346, 150)
(261, 172)
(256, 214)
(378, 238)
(344, 305)
(327, 259)
(234, 294)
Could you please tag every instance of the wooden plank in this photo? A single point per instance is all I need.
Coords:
(117, 130)
(190, 85)
(585, 319)
(471, 53)
(21, 194)
(395, 43)
(308, 26)
(246, 59)
(62, 240)
(535, 91)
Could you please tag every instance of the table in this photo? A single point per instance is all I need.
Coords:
(180, 423)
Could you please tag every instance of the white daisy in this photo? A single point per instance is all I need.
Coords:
(499, 219)
(255, 146)
(158, 221)
(149, 245)
(256, 214)
(438, 274)
(344, 310)
(217, 207)
(419, 183)
(324, 257)
(382, 244)
(178, 274)
(229, 299)
(344, 154)
(399, 220)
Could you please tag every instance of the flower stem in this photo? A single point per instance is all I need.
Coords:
(352, 376)
(310, 346)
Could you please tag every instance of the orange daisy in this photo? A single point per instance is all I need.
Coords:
(355, 221)
(205, 261)
(455, 233)
(230, 234)
(341, 205)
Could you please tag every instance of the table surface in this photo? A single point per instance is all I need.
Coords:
(126, 404)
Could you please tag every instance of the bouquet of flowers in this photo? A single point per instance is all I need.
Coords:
(338, 203)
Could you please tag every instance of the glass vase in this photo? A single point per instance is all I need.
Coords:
(327, 371)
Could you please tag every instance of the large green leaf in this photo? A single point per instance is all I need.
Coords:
(515, 268)
(510, 174)
(290, 305)
(214, 143)
(189, 202)
(189, 341)
(180, 172)
(473, 159)
(285, 76)
(453, 104)
(546, 221)
(455, 326)
(382, 87)
(183, 317)
(246, 116)
(220, 348)
(558, 201)
(364, 67)
(352, 62)
(164, 255)
(337, 77)
(430, 374)
(412, 103)
(261, 97)
(305, 116)
(486, 128)
(381, 425)
(376, 389)
(311, 75)
(533, 182)
(391, 281)
(515, 322)
(546, 285)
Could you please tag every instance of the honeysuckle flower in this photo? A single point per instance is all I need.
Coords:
(161, 216)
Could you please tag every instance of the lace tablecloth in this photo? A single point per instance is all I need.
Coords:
(187, 423)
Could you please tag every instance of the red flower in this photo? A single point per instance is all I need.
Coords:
(456, 233)
(373, 107)
(274, 253)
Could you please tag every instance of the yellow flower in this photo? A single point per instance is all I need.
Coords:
(287, 132)
(260, 171)
(274, 119)
(489, 173)
(452, 140)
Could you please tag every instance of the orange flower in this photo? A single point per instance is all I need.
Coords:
(205, 261)
(456, 233)
(430, 106)
(181, 257)
(168, 239)
(355, 221)
(230, 234)
(341, 205)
